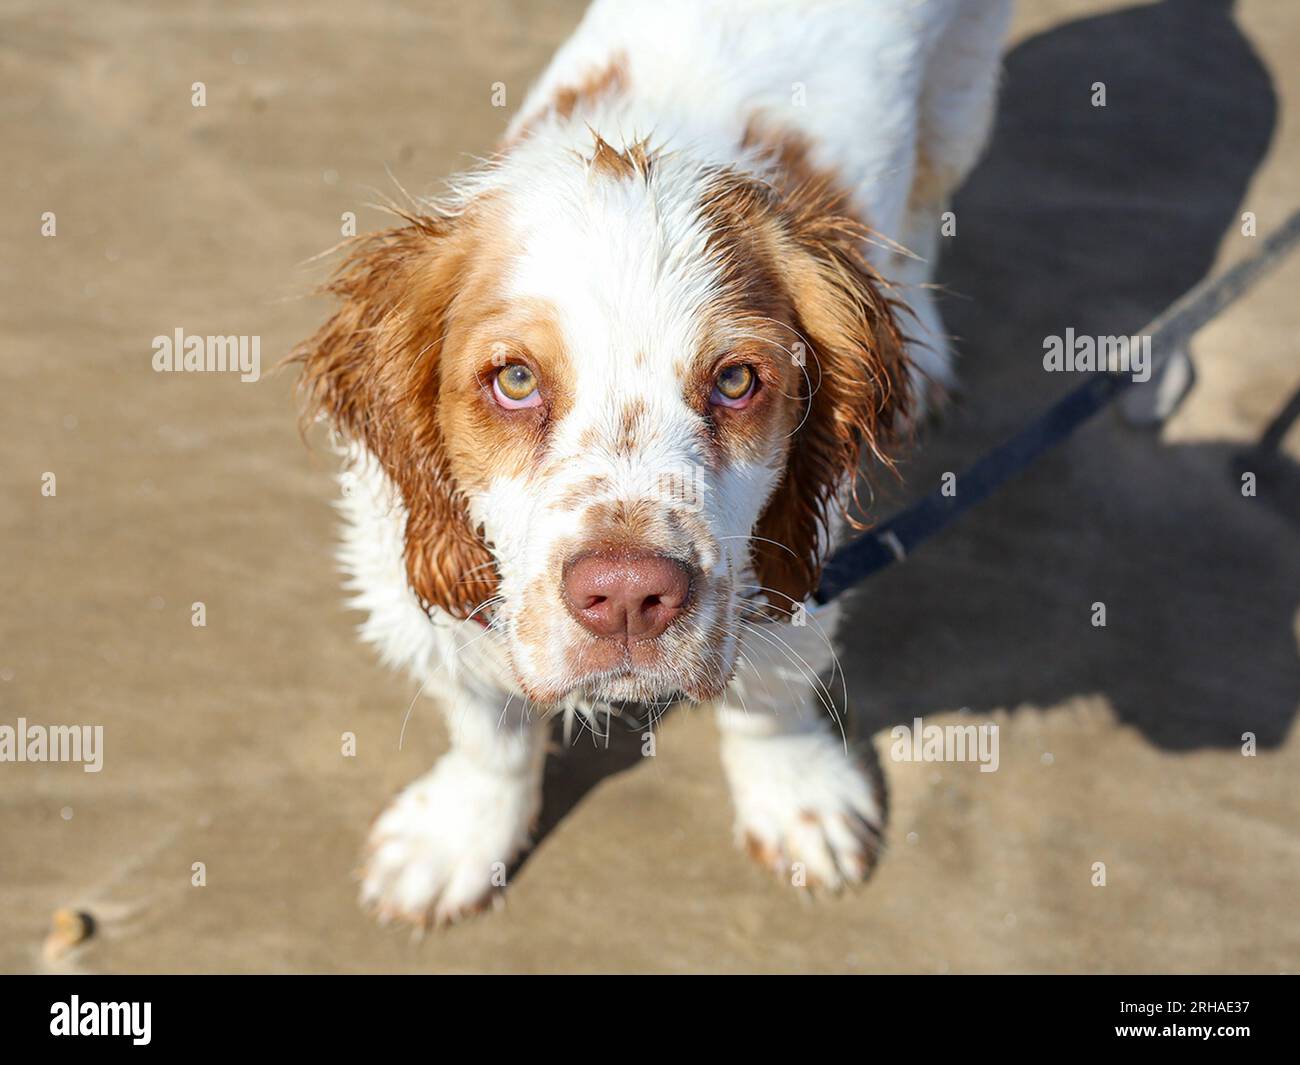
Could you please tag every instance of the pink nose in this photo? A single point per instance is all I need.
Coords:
(632, 598)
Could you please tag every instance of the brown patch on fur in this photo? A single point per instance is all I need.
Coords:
(485, 441)
(600, 83)
(635, 160)
(580, 495)
(628, 426)
(794, 244)
(752, 320)
(764, 854)
(931, 184)
(608, 80)
(788, 150)
(623, 524)
(377, 370)
(925, 181)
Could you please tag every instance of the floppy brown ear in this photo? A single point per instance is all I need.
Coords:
(372, 370)
(856, 391)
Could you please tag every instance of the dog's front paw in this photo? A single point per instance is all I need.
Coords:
(441, 850)
(805, 809)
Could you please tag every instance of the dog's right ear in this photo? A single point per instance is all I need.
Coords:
(373, 369)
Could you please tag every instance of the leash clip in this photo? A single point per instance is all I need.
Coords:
(890, 540)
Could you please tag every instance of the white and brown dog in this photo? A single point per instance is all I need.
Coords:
(603, 408)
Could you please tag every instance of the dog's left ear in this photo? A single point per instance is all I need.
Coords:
(856, 389)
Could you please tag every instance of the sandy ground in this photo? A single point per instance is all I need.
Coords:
(1119, 745)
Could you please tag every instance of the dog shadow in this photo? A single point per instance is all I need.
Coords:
(1095, 218)
(1098, 218)
(587, 756)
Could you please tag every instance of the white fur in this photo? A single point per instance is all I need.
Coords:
(874, 86)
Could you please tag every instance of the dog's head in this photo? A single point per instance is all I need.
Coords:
(620, 393)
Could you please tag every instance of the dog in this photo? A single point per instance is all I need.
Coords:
(603, 407)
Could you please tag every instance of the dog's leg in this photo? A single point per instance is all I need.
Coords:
(806, 807)
(442, 848)
(955, 114)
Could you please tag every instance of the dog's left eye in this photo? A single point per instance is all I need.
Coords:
(734, 386)
(515, 387)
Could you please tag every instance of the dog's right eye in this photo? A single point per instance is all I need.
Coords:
(515, 387)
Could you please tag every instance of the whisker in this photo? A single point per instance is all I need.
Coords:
(760, 539)
(819, 629)
(837, 668)
(824, 695)
(491, 601)
(447, 660)
(475, 569)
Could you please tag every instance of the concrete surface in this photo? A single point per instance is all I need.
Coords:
(1119, 745)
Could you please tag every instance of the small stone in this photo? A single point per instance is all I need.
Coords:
(67, 929)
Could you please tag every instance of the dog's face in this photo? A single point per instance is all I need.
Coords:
(619, 395)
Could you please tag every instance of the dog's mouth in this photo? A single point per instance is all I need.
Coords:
(656, 687)
(694, 667)
(633, 688)
(625, 685)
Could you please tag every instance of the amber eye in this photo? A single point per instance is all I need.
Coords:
(734, 385)
(515, 386)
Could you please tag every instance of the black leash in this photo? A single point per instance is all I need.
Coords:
(897, 538)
